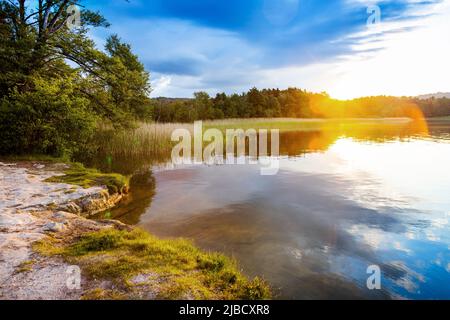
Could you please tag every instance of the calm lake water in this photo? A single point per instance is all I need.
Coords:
(345, 198)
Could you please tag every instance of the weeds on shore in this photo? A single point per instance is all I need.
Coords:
(175, 269)
(129, 150)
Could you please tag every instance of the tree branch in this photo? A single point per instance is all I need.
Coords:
(57, 14)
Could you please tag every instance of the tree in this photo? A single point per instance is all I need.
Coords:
(35, 44)
(203, 105)
(51, 119)
(32, 38)
(257, 102)
(129, 81)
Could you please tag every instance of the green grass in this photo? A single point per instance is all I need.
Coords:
(440, 118)
(288, 124)
(150, 139)
(186, 270)
(78, 175)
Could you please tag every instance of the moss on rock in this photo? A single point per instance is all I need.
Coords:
(78, 175)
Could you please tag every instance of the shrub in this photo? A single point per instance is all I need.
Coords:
(51, 119)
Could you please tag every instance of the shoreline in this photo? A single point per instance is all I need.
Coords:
(45, 237)
(31, 210)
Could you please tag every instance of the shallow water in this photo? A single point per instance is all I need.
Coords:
(345, 198)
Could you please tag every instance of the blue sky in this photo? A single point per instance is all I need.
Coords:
(233, 45)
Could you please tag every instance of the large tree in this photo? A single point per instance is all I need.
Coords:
(35, 34)
(37, 39)
(45, 49)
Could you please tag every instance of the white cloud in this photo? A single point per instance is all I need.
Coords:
(198, 58)
(160, 85)
(412, 62)
(205, 58)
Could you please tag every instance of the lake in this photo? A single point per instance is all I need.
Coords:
(347, 196)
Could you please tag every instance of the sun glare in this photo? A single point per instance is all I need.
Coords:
(402, 64)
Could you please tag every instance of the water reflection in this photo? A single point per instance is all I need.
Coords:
(130, 210)
(294, 143)
(346, 197)
(295, 139)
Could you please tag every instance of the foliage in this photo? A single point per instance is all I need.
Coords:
(49, 106)
(49, 119)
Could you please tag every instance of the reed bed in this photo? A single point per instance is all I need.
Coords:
(125, 151)
(145, 139)
(148, 144)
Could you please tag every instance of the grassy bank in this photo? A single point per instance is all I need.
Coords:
(171, 269)
(153, 139)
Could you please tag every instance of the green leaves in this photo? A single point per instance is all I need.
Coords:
(49, 106)
(94, 19)
(50, 119)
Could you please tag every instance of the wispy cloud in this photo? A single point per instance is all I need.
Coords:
(229, 45)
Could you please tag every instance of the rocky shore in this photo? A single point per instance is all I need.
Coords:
(49, 250)
(31, 209)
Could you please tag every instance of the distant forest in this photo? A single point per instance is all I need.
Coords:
(292, 103)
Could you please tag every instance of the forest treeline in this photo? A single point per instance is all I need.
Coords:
(292, 103)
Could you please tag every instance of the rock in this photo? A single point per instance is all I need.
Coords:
(98, 202)
(7, 164)
(143, 279)
(54, 227)
(115, 224)
(63, 215)
(70, 207)
(30, 209)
